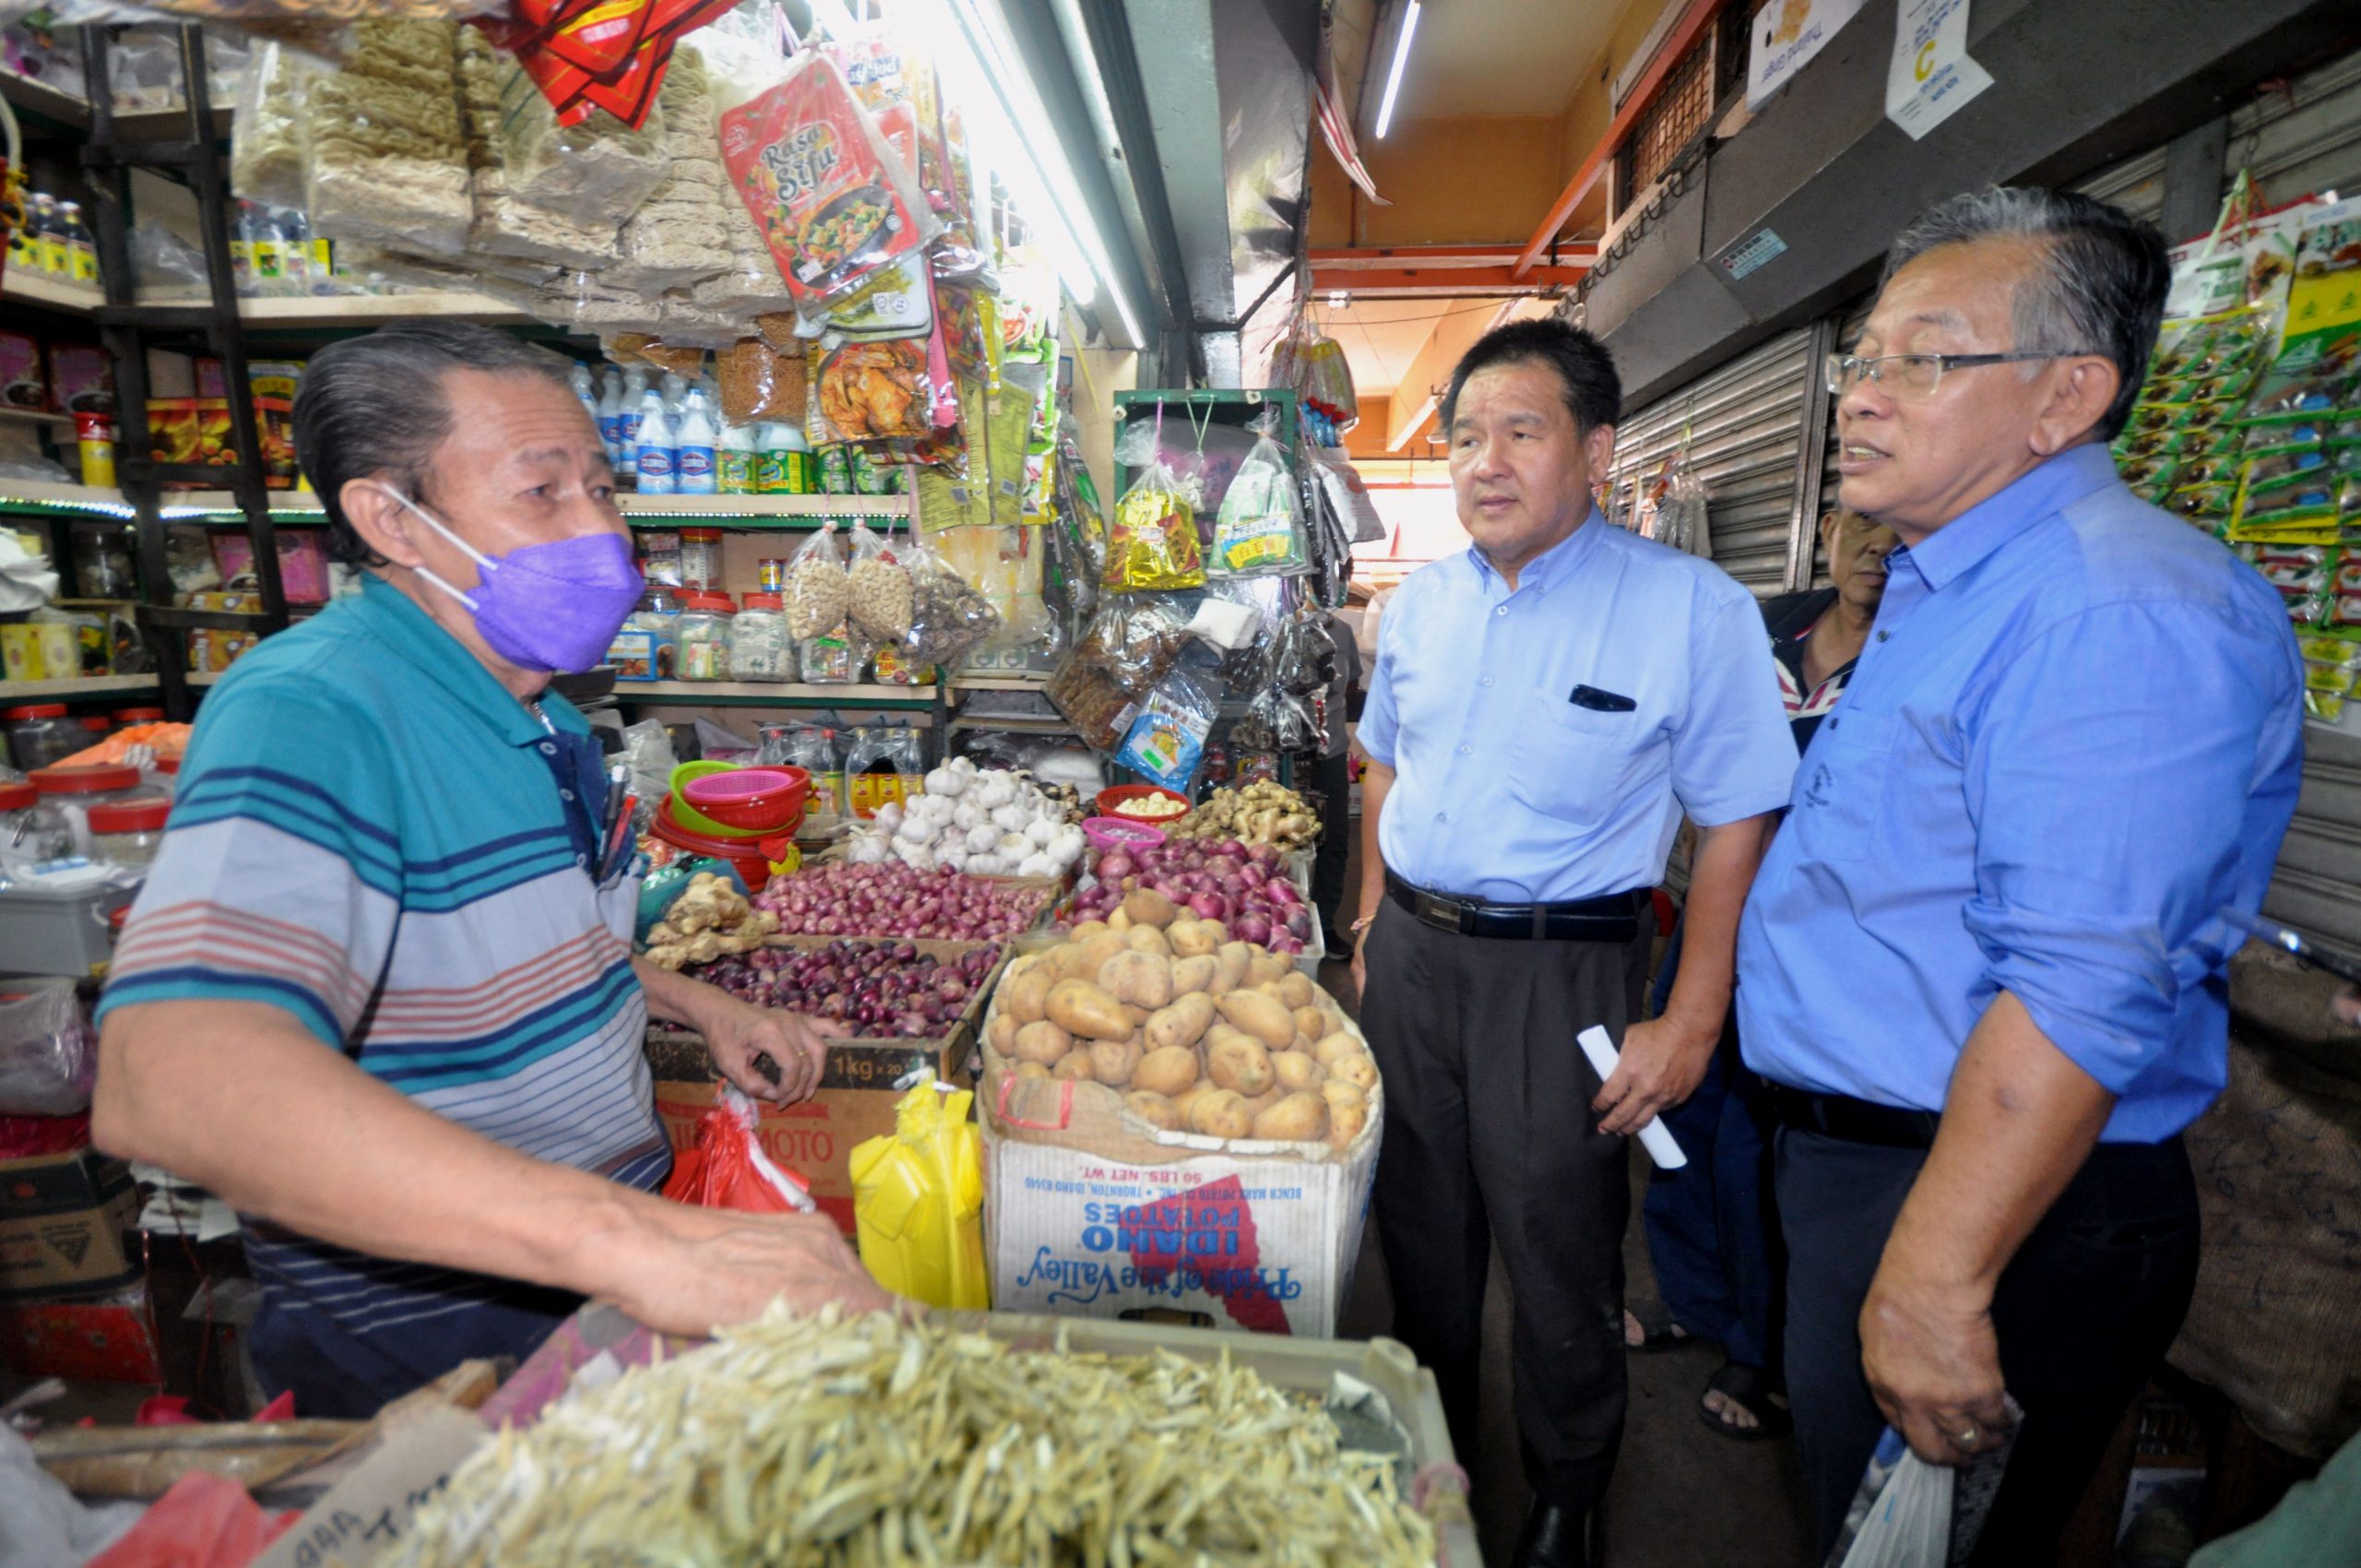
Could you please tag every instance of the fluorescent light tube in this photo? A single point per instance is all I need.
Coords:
(1393, 76)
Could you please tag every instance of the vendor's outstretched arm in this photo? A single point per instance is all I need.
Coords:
(240, 1098)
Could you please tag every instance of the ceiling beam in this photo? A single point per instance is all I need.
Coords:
(1684, 33)
(1381, 257)
(1448, 283)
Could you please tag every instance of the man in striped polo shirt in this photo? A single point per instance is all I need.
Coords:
(386, 843)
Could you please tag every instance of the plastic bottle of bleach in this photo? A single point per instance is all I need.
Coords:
(584, 388)
(610, 416)
(694, 441)
(634, 401)
(659, 450)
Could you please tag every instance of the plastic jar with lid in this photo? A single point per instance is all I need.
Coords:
(40, 735)
(73, 792)
(760, 648)
(659, 613)
(832, 660)
(703, 637)
(127, 717)
(29, 830)
(127, 833)
(701, 558)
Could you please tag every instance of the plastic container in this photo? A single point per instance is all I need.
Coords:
(751, 800)
(659, 615)
(1106, 833)
(52, 931)
(72, 792)
(702, 639)
(760, 648)
(125, 717)
(128, 833)
(701, 560)
(31, 831)
(831, 661)
(40, 735)
(745, 855)
(1121, 799)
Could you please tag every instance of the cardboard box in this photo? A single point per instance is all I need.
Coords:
(109, 1341)
(62, 1219)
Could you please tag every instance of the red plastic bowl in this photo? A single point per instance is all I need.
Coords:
(1113, 801)
(743, 854)
(753, 800)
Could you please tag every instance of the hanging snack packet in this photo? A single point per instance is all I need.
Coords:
(1167, 740)
(832, 200)
(1260, 533)
(947, 616)
(878, 590)
(817, 589)
(1153, 543)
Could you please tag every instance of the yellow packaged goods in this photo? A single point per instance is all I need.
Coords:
(918, 1202)
(870, 1440)
(1153, 541)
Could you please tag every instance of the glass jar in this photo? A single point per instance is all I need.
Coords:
(30, 831)
(659, 615)
(127, 833)
(40, 735)
(701, 559)
(760, 648)
(73, 792)
(701, 639)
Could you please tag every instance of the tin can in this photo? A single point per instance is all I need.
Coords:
(771, 572)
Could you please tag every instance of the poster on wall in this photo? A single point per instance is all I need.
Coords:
(1787, 34)
(1931, 75)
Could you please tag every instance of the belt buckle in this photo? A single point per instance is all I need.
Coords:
(1443, 914)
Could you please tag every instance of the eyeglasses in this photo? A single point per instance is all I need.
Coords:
(1917, 376)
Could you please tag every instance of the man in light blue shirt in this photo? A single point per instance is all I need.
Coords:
(1543, 708)
(1983, 965)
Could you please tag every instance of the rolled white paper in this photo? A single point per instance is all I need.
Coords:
(1655, 1138)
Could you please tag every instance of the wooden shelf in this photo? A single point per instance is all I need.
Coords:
(71, 109)
(15, 692)
(49, 496)
(764, 694)
(32, 416)
(179, 505)
(1016, 723)
(21, 285)
(1000, 682)
(764, 511)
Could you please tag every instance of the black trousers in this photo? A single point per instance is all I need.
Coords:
(1335, 782)
(1489, 1139)
(2084, 1313)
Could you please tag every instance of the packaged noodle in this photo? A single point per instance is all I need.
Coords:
(1152, 542)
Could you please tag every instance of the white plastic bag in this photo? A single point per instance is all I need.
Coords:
(49, 1058)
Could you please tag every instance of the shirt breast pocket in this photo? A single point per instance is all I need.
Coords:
(1840, 794)
(1569, 762)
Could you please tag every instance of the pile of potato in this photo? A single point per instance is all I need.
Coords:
(1195, 1032)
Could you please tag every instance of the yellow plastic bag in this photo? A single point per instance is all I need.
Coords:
(918, 1202)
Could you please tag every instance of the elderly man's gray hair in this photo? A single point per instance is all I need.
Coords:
(378, 404)
(2099, 288)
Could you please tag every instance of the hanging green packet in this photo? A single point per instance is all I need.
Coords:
(1259, 531)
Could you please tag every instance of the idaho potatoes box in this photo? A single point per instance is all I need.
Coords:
(62, 1219)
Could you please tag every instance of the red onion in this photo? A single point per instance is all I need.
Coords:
(1250, 926)
(1209, 906)
(1115, 865)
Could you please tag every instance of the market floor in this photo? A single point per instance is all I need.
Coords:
(1682, 1497)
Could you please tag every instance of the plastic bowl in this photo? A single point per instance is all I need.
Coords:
(1120, 833)
(1114, 801)
(684, 773)
(752, 866)
(750, 800)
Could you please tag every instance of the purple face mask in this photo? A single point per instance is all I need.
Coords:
(554, 606)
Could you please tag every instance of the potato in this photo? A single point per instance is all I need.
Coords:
(1087, 930)
(1296, 1119)
(1218, 1031)
(1182, 1024)
(1184, 1102)
(1303, 1043)
(1195, 975)
(1044, 1042)
(1167, 1070)
(1337, 1093)
(1081, 1008)
(1002, 1035)
(1265, 968)
(1240, 1064)
(1143, 980)
(1345, 1124)
(1024, 998)
(1147, 939)
(1194, 939)
(1356, 1069)
(1031, 1070)
(1298, 1071)
(1074, 1065)
(1119, 919)
(1236, 957)
(1326, 1048)
(1221, 1114)
(1258, 1103)
(1148, 907)
(1298, 989)
(1310, 1023)
(1258, 1015)
(1154, 1109)
(1112, 1061)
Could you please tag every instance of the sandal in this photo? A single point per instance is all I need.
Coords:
(1657, 1331)
(1751, 1389)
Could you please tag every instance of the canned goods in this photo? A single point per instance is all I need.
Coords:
(771, 572)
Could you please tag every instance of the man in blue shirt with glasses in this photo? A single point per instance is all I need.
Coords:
(1983, 965)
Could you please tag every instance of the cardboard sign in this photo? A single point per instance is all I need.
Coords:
(1931, 75)
(1788, 35)
(366, 1514)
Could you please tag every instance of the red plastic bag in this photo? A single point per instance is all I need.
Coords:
(205, 1521)
(726, 1168)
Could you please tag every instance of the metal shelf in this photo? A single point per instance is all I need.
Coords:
(1001, 683)
(14, 691)
(763, 694)
(49, 498)
(761, 511)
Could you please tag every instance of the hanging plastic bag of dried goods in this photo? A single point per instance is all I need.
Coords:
(947, 616)
(1260, 529)
(1326, 381)
(1167, 742)
(726, 1167)
(817, 587)
(878, 589)
(1153, 543)
(871, 392)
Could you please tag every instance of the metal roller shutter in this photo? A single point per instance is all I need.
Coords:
(2318, 886)
(1745, 425)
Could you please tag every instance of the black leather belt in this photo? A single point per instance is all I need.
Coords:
(1613, 918)
(1855, 1121)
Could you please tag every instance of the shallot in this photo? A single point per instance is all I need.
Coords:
(895, 899)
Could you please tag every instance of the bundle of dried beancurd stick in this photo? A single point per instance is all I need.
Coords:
(867, 1440)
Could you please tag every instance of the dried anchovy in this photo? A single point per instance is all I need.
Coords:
(873, 1444)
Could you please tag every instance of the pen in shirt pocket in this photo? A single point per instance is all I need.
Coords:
(1599, 701)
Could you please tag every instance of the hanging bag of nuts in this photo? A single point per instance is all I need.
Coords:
(880, 588)
(816, 586)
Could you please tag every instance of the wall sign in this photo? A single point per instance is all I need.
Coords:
(1931, 77)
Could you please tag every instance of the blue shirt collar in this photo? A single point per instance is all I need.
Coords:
(416, 638)
(1551, 563)
(2048, 488)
